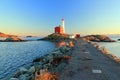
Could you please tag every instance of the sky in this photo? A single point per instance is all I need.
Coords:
(39, 17)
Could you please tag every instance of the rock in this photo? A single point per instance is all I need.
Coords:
(17, 74)
(31, 77)
(27, 74)
(13, 79)
(31, 70)
(71, 44)
(105, 51)
(67, 49)
(36, 64)
(37, 59)
(13, 39)
(49, 57)
(55, 52)
(22, 77)
(98, 38)
(63, 49)
(56, 49)
(23, 70)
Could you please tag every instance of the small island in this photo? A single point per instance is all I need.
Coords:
(98, 38)
(10, 38)
(59, 34)
(29, 36)
(118, 39)
(55, 37)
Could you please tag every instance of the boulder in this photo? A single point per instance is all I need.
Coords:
(22, 77)
(63, 49)
(13, 79)
(17, 74)
(38, 59)
(58, 53)
(31, 77)
(23, 70)
(31, 70)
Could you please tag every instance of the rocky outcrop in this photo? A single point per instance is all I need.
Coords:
(56, 37)
(6, 35)
(98, 38)
(12, 39)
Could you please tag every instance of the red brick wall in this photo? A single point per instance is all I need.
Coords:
(58, 29)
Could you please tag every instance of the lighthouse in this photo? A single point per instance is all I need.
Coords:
(63, 25)
(60, 29)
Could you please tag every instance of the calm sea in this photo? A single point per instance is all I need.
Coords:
(114, 47)
(14, 55)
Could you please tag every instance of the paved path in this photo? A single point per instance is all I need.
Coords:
(87, 63)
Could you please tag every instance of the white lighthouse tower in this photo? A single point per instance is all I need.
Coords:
(63, 25)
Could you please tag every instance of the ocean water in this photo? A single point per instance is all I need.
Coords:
(114, 47)
(14, 55)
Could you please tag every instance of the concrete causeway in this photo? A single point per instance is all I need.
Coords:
(87, 63)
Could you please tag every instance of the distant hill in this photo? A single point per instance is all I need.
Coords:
(6, 35)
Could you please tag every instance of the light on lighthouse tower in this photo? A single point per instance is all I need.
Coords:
(63, 25)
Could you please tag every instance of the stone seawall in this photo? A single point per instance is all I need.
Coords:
(46, 66)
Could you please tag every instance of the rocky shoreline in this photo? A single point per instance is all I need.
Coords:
(49, 65)
(105, 51)
(98, 38)
(12, 39)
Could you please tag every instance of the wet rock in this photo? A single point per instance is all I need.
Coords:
(56, 52)
(17, 74)
(71, 44)
(22, 77)
(23, 70)
(36, 64)
(31, 77)
(63, 49)
(13, 79)
(56, 49)
(31, 70)
(49, 57)
(58, 55)
(37, 59)
(67, 49)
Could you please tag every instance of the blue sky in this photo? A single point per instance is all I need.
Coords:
(39, 17)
